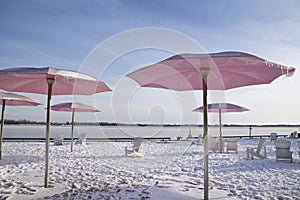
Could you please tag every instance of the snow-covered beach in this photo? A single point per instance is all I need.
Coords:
(167, 170)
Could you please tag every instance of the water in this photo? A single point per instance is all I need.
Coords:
(38, 131)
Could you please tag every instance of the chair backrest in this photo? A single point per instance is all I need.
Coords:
(199, 138)
(260, 145)
(58, 140)
(234, 140)
(282, 148)
(294, 134)
(283, 144)
(190, 134)
(59, 137)
(137, 143)
(273, 136)
(231, 143)
(82, 138)
(211, 141)
(214, 143)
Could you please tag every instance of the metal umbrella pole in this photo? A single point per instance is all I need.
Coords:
(204, 72)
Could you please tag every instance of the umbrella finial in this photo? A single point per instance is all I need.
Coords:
(204, 71)
(50, 81)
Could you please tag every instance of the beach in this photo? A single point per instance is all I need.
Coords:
(167, 170)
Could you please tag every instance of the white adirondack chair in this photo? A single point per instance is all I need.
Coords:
(231, 145)
(214, 145)
(136, 150)
(294, 134)
(283, 150)
(59, 140)
(82, 138)
(256, 152)
(189, 135)
(198, 141)
(273, 136)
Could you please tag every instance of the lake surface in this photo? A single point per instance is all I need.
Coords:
(38, 131)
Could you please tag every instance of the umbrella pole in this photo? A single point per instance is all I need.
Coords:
(220, 126)
(72, 130)
(204, 72)
(50, 82)
(2, 124)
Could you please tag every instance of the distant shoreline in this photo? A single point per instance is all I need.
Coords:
(107, 124)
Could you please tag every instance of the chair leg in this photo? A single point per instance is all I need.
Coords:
(248, 156)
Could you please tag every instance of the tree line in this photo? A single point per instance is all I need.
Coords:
(28, 122)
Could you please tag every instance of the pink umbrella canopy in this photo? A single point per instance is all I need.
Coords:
(50, 81)
(226, 70)
(73, 107)
(10, 99)
(209, 71)
(70, 107)
(219, 108)
(34, 80)
(223, 107)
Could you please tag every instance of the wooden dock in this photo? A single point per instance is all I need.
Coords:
(129, 139)
(244, 136)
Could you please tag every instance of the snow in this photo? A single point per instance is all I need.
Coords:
(167, 170)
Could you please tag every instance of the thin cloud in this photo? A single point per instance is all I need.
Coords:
(47, 33)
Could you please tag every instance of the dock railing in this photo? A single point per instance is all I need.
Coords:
(126, 139)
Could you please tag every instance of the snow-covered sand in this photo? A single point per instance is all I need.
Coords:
(168, 170)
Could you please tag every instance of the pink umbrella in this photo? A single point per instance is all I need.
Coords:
(10, 99)
(221, 107)
(73, 107)
(213, 71)
(49, 81)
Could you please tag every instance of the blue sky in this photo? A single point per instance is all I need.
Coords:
(63, 33)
